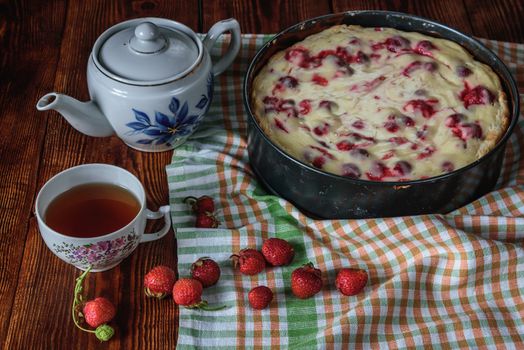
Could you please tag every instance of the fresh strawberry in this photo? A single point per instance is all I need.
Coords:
(98, 311)
(277, 251)
(249, 261)
(159, 282)
(260, 297)
(306, 281)
(205, 204)
(201, 205)
(206, 220)
(187, 292)
(351, 281)
(204, 208)
(206, 271)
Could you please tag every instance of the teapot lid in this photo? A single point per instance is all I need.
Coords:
(147, 51)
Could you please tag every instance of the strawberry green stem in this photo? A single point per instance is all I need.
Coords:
(77, 298)
(190, 200)
(103, 332)
(212, 308)
(203, 305)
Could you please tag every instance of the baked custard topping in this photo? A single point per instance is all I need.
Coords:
(380, 104)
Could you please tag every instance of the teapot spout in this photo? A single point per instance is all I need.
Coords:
(85, 117)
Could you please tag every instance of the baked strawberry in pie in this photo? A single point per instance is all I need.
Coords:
(380, 104)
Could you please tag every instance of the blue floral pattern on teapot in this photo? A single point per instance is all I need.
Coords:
(169, 129)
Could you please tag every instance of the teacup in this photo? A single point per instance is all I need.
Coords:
(106, 251)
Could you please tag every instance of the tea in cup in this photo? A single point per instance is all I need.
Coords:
(94, 215)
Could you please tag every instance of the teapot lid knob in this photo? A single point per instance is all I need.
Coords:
(147, 38)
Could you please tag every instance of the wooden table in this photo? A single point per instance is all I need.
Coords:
(44, 47)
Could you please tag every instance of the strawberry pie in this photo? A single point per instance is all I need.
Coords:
(380, 104)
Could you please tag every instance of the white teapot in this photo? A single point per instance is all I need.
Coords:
(150, 82)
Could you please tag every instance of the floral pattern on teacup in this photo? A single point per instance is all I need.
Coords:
(99, 254)
(166, 129)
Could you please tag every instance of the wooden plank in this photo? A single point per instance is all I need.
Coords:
(497, 20)
(44, 291)
(449, 12)
(30, 35)
(261, 16)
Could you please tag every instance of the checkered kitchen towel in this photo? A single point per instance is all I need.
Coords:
(454, 280)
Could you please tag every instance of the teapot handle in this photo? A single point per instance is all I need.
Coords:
(214, 33)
